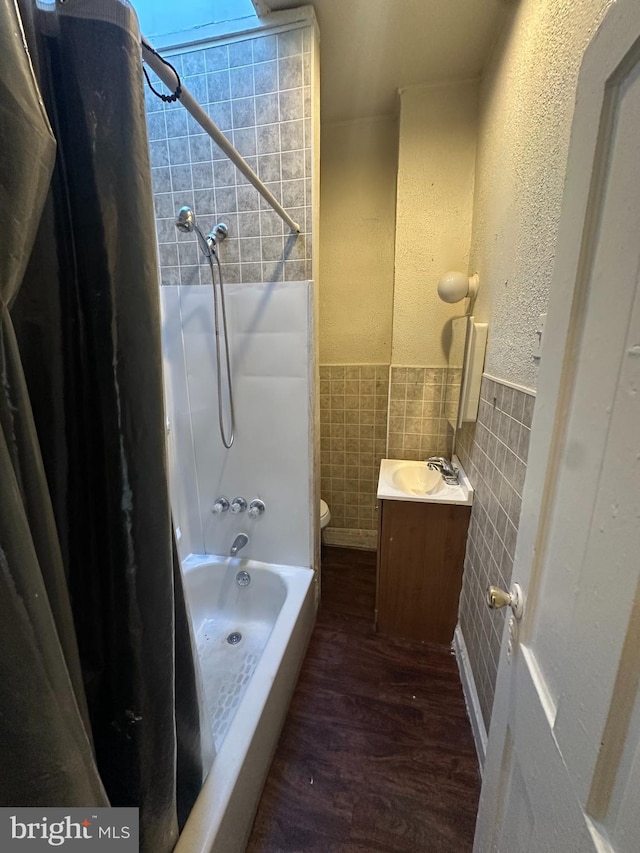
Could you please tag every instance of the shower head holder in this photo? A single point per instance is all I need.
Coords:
(220, 232)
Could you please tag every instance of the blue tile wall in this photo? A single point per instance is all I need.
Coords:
(257, 90)
(493, 452)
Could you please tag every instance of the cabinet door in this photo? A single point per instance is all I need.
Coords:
(421, 558)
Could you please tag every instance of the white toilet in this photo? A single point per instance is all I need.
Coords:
(325, 514)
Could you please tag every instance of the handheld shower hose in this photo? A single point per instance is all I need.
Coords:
(186, 222)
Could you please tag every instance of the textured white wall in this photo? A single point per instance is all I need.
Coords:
(438, 126)
(526, 109)
(357, 227)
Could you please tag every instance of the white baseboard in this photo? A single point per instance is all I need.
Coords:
(470, 695)
(347, 538)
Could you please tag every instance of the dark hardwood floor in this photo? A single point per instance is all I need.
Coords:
(376, 754)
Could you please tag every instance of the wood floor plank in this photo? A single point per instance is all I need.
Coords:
(376, 754)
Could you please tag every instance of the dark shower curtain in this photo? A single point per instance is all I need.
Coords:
(98, 693)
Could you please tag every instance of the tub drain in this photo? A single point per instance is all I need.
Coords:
(234, 638)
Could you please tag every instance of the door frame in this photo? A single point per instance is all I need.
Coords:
(614, 39)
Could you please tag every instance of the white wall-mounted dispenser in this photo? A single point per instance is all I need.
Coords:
(475, 347)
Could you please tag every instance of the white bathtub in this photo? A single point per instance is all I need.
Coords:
(248, 684)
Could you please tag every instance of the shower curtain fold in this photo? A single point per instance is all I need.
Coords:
(43, 711)
(90, 598)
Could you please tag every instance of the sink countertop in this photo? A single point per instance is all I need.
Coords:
(462, 494)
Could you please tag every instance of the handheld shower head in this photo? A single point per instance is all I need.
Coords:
(186, 220)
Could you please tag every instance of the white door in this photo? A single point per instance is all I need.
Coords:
(562, 772)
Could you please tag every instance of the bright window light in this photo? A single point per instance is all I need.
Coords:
(160, 17)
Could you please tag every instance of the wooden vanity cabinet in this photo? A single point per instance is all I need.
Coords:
(421, 548)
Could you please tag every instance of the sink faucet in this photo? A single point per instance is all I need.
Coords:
(239, 542)
(449, 473)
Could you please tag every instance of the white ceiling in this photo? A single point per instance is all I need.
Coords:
(370, 48)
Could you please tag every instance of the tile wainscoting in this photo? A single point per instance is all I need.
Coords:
(353, 432)
(422, 400)
(493, 452)
(369, 412)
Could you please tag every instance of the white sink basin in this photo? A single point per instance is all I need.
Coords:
(406, 480)
(416, 478)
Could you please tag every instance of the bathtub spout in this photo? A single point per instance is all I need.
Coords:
(239, 542)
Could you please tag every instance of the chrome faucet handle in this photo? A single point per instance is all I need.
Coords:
(449, 472)
(256, 508)
(439, 463)
(221, 505)
(238, 505)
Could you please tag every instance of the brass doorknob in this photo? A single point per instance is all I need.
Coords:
(497, 598)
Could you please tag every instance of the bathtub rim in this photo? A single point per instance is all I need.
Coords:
(206, 817)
